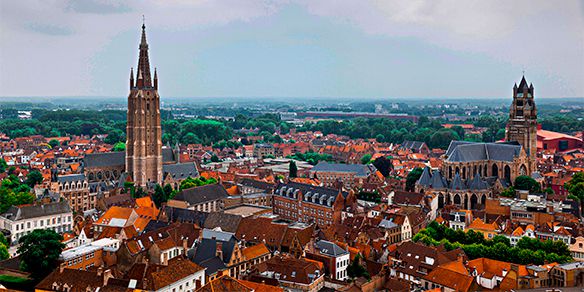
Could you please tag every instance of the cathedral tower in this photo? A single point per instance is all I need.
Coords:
(143, 131)
(522, 124)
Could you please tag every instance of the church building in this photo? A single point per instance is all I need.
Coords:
(474, 171)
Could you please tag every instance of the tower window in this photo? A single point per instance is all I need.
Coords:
(520, 103)
(520, 113)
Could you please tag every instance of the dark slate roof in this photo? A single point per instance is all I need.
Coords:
(478, 183)
(310, 193)
(155, 225)
(212, 265)
(117, 159)
(70, 178)
(180, 171)
(462, 151)
(329, 248)
(168, 155)
(227, 222)
(109, 159)
(257, 184)
(425, 178)
(438, 181)
(208, 246)
(15, 213)
(412, 145)
(358, 169)
(101, 186)
(184, 215)
(202, 194)
(457, 183)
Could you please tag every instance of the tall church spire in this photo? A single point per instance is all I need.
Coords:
(144, 61)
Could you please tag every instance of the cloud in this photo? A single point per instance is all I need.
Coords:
(49, 29)
(540, 36)
(97, 6)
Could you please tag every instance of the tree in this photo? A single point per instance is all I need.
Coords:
(3, 165)
(4, 252)
(527, 183)
(159, 196)
(355, 269)
(39, 252)
(442, 138)
(169, 191)
(119, 147)
(214, 158)
(412, 178)
(293, 169)
(365, 159)
(384, 165)
(508, 192)
(459, 130)
(53, 143)
(33, 178)
(575, 188)
(139, 192)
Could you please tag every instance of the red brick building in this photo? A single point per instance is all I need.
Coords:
(308, 203)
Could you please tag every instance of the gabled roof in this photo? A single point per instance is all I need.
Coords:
(360, 170)
(438, 181)
(425, 178)
(180, 171)
(330, 248)
(457, 183)
(202, 194)
(22, 212)
(463, 151)
(478, 183)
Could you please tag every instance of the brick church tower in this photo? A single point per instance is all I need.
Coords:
(143, 131)
(522, 124)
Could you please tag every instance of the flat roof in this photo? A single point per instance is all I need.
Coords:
(246, 210)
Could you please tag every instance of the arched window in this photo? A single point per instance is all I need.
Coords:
(508, 173)
(495, 170)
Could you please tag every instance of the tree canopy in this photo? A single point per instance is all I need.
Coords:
(527, 183)
(39, 252)
(412, 178)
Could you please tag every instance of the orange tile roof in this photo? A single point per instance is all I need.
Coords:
(484, 265)
(255, 251)
(115, 212)
(141, 223)
(480, 225)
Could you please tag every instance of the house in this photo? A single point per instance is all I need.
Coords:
(452, 276)
(208, 198)
(157, 246)
(492, 274)
(567, 275)
(577, 249)
(75, 189)
(489, 230)
(116, 217)
(335, 259)
(21, 220)
(307, 203)
(414, 261)
(351, 175)
(179, 275)
(71, 280)
(291, 273)
(86, 256)
(415, 147)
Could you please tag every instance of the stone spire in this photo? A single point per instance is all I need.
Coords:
(144, 61)
(131, 78)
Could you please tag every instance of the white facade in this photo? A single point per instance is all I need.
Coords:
(342, 263)
(62, 222)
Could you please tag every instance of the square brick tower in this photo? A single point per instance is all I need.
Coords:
(143, 130)
(522, 124)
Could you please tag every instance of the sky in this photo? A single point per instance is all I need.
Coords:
(296, 48)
